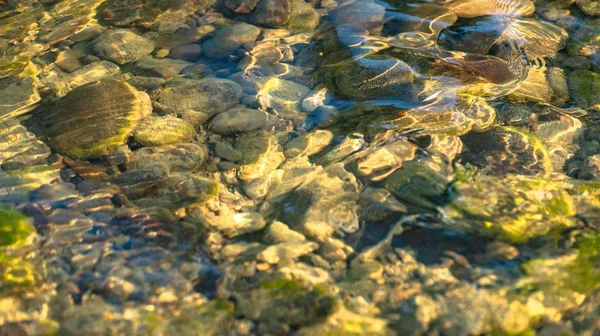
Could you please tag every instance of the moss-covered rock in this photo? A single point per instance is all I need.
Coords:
(514, 208)
(585, 88)
(15, 228)
(94, 119)
(559, 283)
(420, 185)
(158, 131)
(284, 301)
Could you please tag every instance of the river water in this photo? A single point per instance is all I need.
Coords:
(293, 167)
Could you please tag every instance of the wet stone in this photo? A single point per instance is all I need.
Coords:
(85, 75)
(505, 149)
(180, 190)
(157, 131)
(590, 168)
(241, 6)
(208, 96)
(308, 144)
(515, 208)
(278, 232)
(583, 86)
(187, 52)
(393, 78)
(17, 96)
(94, 119)
(360, 15)
(271, 13)
(178, 158)
(225, 151)
(139, 182)
(146, 12)
(122, 46)
(303, 16)
(166, 68)
(229, 39)
(261, 154)
(240, 224)
(240, 120)
(589, 7)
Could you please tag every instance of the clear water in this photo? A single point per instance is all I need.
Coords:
(275, 167)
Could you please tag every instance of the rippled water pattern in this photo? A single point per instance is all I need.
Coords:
(299, 167)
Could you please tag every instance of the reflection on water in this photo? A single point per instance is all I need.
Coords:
(275, 167)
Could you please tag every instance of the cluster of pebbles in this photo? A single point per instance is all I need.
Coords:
(323, 167)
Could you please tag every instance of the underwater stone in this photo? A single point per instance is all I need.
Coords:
(241, 6)
(17, 95)
(360, 15)
(420, 185)
(590, 168)
(308, 144)
(281, 95)
(187, 52)
(94, 119)
(261, 154)
(240, 120)
(475, 8)
(139, 182)
(122, 46)
(229, 39)
(157, 131)
(589, 7)
(180, 190)
(166, 68)
(375, 77)
(146, 12)
(209, 96)
(508, 150)
(240, 223)
(514, 208)
(303, 16)
(584, 86)
(584, 41)
(278, 232)
(225, 151)
(178, 158)
(271, 13)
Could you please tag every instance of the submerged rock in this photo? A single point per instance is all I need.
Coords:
(122, 46)
(17, 96)
(157, 131)
(146, 12)
(166, 68)
(271, 13)
(15, 228)
(94, 119)
(508, 150)
(589, 7)
(514, 208)
(178, 158)
(229, 39)
(261, 154)
(209, 96)
(584, 86)
(241, 120)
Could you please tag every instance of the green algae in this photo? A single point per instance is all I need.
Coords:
(17, 275)
(286, 287)
(15, 228)
(514, 208)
